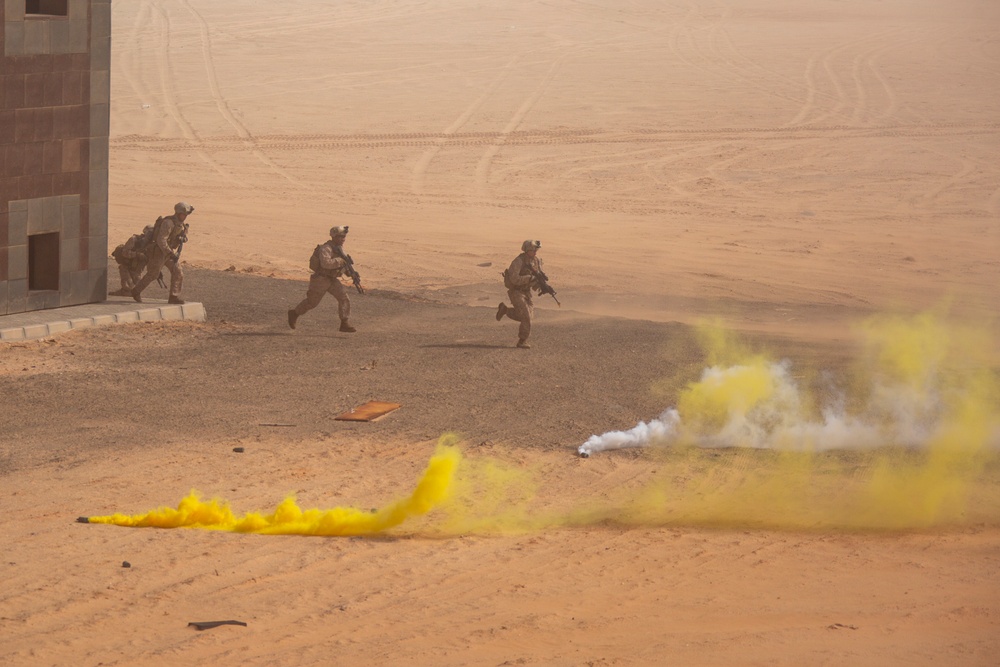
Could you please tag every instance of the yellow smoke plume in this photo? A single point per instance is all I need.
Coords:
(288, 518)
(730, 393)
(911, 457)
(751, 450)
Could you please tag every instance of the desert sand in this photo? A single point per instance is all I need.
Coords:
(787, 169)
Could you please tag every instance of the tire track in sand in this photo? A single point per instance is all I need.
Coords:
(420, 168)
(840, 96)
(167, 88)
(130, 45)
(306, 142)
(220, 101)
(483, 167)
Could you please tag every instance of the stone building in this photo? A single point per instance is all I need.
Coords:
(55, 59)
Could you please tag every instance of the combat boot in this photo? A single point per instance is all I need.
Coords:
(501, 311)
(346, 328)
(292, 318)
(176, 300)
(523, 344)
(136, 295)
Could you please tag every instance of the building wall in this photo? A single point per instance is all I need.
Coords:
(54, 117)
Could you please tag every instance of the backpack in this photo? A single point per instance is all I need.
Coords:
(314, 264)
(142, 241)
(146, 237)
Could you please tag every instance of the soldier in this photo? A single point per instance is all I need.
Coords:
(169, 235)
(522, 275)
(131, 258)
(328, 263)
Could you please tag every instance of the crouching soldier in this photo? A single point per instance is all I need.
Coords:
(131, 259)
(328, 263)
(169, 237)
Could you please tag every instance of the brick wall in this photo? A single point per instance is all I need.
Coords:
(54, 120)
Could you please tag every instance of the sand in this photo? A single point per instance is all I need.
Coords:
(788, 168)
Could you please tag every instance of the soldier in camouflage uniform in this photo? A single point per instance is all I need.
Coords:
(519, 279)
(327, 263)
(168, 234)
(131, 258)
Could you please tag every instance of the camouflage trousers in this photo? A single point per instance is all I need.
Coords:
(130, 273)
(522, 311)
(319, 286)
(158, 260)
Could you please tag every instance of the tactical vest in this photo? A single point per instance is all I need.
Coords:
(314, 261)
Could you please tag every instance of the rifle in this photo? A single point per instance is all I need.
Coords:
(542, 283)
(180, 246)
(182, 239)
(349, 267)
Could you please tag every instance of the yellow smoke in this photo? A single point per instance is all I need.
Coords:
(911, 352)
(935, 488)
(288, 518)
(784, 466)
(911, 457)
(490, 496)
(720, 397)
(933, 408)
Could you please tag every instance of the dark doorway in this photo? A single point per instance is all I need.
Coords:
(43, 261)
(46, 7)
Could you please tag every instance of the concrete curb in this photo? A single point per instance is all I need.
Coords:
(194, 312)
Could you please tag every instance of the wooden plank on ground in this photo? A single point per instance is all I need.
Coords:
(370, 411)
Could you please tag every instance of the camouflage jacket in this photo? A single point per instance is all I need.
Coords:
(518, 274)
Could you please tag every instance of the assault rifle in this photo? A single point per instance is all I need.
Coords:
(180, 246)
(542, 284)
(349, 267)
(182, 239)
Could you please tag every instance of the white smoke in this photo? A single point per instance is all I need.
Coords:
(656, 431)
(895, 415)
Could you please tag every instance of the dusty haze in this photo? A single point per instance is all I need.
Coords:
(756, 160)
(790, 167)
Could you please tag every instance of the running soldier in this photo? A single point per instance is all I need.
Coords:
(131, 258)
(328, 263)
(523, 275)
(169, 237)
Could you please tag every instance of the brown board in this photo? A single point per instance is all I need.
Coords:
(370, 411)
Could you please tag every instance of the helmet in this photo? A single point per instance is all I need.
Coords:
(340, 230)
(530, 245)
(181, 207)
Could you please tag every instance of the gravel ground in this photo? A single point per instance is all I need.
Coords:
(453, 369)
